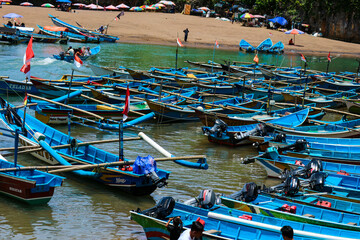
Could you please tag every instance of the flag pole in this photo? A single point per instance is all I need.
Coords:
(72, 75)
(212, 64)
(25, 105)
(121, 141)
(303, 100)
(176, 55)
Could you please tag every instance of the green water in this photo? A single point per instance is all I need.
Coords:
(81, 209)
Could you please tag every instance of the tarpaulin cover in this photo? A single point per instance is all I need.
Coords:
(56, 29)
(144, 165)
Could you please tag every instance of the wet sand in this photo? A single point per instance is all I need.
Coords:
(164, 28)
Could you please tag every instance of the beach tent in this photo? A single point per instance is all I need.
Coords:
(48, 5)
(280, 20)
(5, 1)
(12, 15)
(294, 32)
(26, 4)
(123, 6)
(111, 7)
(98, 7)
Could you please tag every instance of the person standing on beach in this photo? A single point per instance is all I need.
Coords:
(186, 31)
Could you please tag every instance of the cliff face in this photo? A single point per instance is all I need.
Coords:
(341, 23)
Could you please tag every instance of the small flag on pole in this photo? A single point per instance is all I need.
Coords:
(303, 57)
(179, 43)
(77, 61)
(127, 104)
(329, 58)
(119, 15)
(216, 44)
(29, 54)
(25, 99)
(256, 59)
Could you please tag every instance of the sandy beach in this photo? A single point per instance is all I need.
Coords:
(164, 28)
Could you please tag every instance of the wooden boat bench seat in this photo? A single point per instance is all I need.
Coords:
(213, 231)
(352, 223)
(309, 215)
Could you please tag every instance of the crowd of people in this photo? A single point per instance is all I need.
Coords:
(10, 24)
(83, 51)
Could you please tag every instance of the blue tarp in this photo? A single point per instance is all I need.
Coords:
(63, 1)
(144, 165)
(280, 20)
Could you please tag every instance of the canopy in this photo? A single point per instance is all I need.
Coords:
(48, 5)
(259, 16)
(7, 1)
(26, 4)
(96, 7)
(12, 15)
(204, 8)
(90, 5)
(111, 7)
(56, 29)
(63, 1)
(122, 6)
(136, 9)
(280, 20)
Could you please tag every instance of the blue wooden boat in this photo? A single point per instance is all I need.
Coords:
(73, 37)
(265, 45)
(239, 135)
(225, 223)
(27, 185)
(274, 207)
(69, 58)
(170, 112)
(277, 48)
(128, 179)
(75, 29)
(245, 46)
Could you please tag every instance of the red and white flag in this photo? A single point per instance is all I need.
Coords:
(29, 54)
(216, 44)
(127, 104)
(179, 43)
(303, 57)
(256, 59)
(77, 61)
(329, 58)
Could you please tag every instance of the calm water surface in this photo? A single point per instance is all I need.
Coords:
(82, 209)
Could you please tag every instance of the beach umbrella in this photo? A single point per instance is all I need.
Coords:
(90, 5)
(204, 8)
(159, 5)
(170, 3)
(246, 16)
(294, 32)
(144, 6)
(6, 1)
(111, 7)
(259, 16)
(12, 15)
(98, 7)
(136, 9)
(122, 6)
(79, 4)
(48, 5)
(26, 4)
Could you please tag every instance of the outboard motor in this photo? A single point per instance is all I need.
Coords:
(315, 165)
(219, 128)
(162, 209)
(259, 130)
(290, 186)
(298, 146)
(206, 199)
(317, 181)
(281, 138)
(248, 193)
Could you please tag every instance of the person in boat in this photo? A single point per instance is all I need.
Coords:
(195, 232)
(22, 25)
(175, 229)
(70, 51)
(291, 42)
(287, 233)
(9, 23)
(87, 51)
